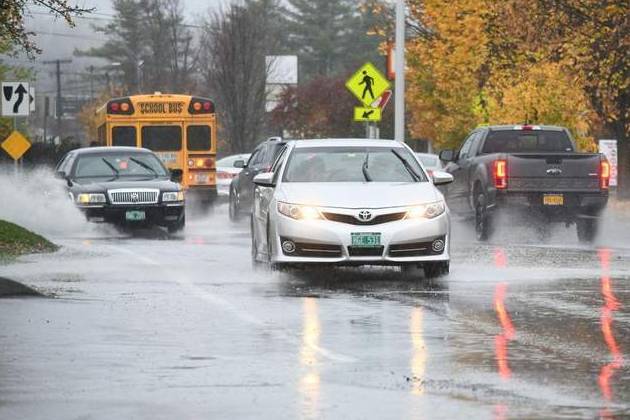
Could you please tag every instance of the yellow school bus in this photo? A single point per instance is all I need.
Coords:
(180, 129)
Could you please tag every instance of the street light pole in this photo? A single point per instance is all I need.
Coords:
(399, 116)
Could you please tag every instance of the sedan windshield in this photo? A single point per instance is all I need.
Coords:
(116, 165)
(352, 164)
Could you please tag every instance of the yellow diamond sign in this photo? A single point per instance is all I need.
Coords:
(367, 84)
(367, 114)
(16, 145)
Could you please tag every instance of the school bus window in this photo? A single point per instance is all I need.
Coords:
(167, 138)
(124, 136)
(198, 137)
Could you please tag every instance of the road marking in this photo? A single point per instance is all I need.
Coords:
(238, 313)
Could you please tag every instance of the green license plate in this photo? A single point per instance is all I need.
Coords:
(135, 215)
(366, 240)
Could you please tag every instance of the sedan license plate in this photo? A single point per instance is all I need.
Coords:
(366, 240)
(553, 200)
(135, 215)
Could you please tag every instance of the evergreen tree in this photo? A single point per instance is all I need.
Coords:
(329, 36)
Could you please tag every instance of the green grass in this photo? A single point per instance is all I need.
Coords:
(16, 241)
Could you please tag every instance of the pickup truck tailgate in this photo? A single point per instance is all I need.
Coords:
(553, 172)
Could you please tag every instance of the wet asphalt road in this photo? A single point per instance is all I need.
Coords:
(155, 327)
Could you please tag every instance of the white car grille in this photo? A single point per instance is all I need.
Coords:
(133, 196)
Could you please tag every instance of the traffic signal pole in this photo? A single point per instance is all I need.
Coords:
(399, 97)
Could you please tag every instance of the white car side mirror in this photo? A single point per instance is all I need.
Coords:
(442, 178)
(264, 179)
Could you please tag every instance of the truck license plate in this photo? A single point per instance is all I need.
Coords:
(135, 215)
(553, 200)
(366, 240)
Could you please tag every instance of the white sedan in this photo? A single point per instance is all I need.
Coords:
(227, 169)
(351, 202)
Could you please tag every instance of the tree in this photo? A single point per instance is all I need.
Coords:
(12, 12)
(152, 43)
(235, 43)
(483, 61)
(590, 40)
(329, 36)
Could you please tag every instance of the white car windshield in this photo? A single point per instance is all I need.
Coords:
(352, 164)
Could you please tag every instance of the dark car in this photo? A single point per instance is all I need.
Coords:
(242, 186)
(125, 186)
(531, 170)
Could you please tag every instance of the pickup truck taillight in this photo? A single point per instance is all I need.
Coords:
(604, 174)
(500, 174)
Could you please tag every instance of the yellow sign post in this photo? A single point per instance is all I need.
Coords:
(367, 84)
(367, 114)
(16, 145)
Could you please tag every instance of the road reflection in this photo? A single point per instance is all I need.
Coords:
(309, 385)
(611, 304)
(419, 351)
(508, 331)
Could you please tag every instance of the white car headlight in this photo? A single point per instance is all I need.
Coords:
(87, 198)
(299, 212)
(173, 196)
(426, 211)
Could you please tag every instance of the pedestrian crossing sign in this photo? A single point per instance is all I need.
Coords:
(367, 84)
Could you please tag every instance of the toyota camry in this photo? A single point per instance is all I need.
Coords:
(350, 202)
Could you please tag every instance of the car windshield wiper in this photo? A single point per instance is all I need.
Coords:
(108, 163)
(365, 167)
(144, 165)
(407, 166)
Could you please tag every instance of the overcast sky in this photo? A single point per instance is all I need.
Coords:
(58, 41)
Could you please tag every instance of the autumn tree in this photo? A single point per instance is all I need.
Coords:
(12, 12)
(590, 40)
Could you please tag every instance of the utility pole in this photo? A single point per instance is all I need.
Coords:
(59, 104)
(399, 110)
(91, 69)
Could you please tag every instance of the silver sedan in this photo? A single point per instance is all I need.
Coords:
(351, 202)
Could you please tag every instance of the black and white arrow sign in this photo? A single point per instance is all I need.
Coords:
(15, 99)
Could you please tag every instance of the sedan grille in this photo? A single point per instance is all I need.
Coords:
(377, 220)
(133, 196)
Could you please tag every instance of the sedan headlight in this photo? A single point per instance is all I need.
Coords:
(426, 211)
(173, 196)
(298, 212)
(88, 198)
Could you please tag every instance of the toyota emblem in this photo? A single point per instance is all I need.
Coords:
(134, 197)
(365, 215)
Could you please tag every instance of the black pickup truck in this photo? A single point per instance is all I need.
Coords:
(532, 171)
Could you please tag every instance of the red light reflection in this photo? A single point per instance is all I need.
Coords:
(501, 340)
(611, 304)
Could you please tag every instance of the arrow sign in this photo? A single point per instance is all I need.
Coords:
(15, 101)
(367, 114)
(20, 92)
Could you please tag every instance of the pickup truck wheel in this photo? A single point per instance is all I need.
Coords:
(587, 229)
(482, 218)
(436, 269)
(234, 211)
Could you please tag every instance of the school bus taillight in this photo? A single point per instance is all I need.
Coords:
(200, 163)
(200, 106)
(120, 106)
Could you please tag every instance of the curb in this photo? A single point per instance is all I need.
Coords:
(10, 288)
